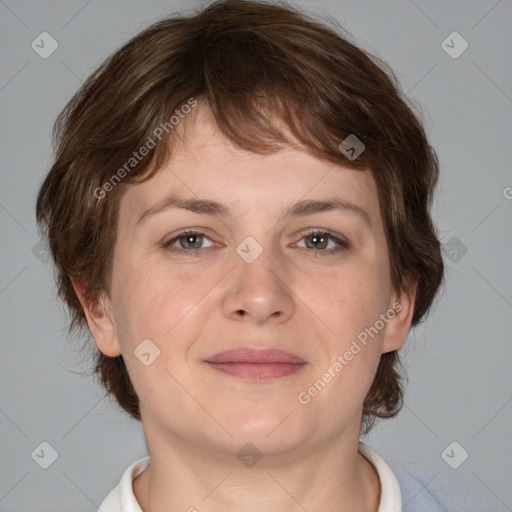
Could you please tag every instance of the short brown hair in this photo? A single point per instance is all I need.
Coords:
(252, 62)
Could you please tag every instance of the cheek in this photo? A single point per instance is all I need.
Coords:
(347, 300)
(351, 306)
(155, 303)
(167, 306)
(156, 306)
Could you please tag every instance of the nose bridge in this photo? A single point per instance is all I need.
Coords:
(259, 284)
(259, 260)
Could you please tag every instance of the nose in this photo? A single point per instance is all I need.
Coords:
(259, 288)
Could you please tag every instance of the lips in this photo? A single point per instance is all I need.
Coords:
(255, 356)
(252, 364)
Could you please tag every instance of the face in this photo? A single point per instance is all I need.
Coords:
(311, 282)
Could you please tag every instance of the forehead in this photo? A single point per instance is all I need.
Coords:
(204, 164)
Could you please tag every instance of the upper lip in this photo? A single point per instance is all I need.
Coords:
(255, 355)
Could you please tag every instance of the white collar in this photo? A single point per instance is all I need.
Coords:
(390, 495)
(122, 498)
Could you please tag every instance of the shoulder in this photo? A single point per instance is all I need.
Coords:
(418, 490)
(417, 496)
(429, 493)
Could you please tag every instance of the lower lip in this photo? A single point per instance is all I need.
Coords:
(258, 371)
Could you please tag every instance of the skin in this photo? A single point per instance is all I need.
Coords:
(196, 419)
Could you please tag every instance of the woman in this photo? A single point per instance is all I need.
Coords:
(239, 212)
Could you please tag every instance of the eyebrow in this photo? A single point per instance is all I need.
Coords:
(299, 209)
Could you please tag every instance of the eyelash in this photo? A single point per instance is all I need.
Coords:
(343, 245)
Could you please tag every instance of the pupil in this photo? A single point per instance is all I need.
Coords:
(190, 239)
(315, 238)
(318, 239)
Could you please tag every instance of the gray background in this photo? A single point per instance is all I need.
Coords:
(458, 362)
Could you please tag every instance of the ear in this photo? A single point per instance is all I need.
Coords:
(100, 320)
(399, 325)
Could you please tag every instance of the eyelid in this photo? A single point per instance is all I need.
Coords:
(310, 231)
(342, 243)
(184, 232)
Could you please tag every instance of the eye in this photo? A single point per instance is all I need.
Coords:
(319, 241)
(189, 240)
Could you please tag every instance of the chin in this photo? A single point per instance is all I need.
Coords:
(271, 432)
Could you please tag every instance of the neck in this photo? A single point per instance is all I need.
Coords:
(333, 480)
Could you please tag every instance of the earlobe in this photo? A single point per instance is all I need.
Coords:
(100, 320)
(401, 309)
